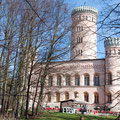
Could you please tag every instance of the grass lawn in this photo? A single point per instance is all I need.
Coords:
(66, 116)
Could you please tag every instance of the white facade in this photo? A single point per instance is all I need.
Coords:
(84, 77)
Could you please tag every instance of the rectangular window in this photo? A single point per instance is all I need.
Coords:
(118, 52)
(50, 81)
(86, 17)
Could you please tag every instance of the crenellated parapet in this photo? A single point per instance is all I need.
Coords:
(85, 9)
(112, 42)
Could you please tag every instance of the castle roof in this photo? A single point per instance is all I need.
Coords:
(112, 42)
(84, 9)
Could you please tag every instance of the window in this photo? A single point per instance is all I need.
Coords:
(79, 40)
(92, 19)
(86, 17)
(66, 95)
(50, 81)
(118, 52)
(109, 52)
(58, 80)
(67, 80)
(96, 98)
(86, 96)
(86, 79)
(106, 53)
(79, 28)
(81, 53)
(109, 97)
(96, 80)
(57, 97)
(77, 80)
(75, 94)
(109, 78)
(79, 17)
(49, 97)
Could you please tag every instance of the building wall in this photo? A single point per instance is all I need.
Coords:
(84, 25)
(80, 68)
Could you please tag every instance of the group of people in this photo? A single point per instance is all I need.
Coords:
(83, 109)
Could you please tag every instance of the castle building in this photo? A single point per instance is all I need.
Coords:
(84, 77)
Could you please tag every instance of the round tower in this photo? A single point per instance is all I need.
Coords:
(84, 33)
(112, 49)
(112, 61)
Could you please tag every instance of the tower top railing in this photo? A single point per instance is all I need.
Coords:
(84, 9)
(112, 42)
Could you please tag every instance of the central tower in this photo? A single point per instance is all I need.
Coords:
(84, 33)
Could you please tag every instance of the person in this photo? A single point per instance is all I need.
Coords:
(82, 110)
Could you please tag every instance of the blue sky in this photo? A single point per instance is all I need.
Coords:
(100, 5)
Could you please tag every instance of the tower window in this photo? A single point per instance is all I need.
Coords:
(92, 19)
(79, 17)
(79, 28)
(79, 40)
(118, 52)
(86, 17)
(106, 53)
(110, 52)
(81, 53)
(109, 79)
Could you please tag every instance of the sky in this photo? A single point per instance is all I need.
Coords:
(100, 5)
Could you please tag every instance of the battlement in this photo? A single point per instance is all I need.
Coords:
(84, 9)
(112, 42)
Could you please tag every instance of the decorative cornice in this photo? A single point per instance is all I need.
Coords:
(112, 42)
(84, 9)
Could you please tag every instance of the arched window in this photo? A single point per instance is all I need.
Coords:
(96, 98)
(86, 79)
(77, 80)
(67, 80)
(96, 80)
(59, 80)
(49, 97)
(79, 39)
(86, 96)
(75, 94)
(66, 95)
(109, 78)
(57, 97)
(109, 98)
(50, 81)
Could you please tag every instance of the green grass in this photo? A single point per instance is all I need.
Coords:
(66, 116)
